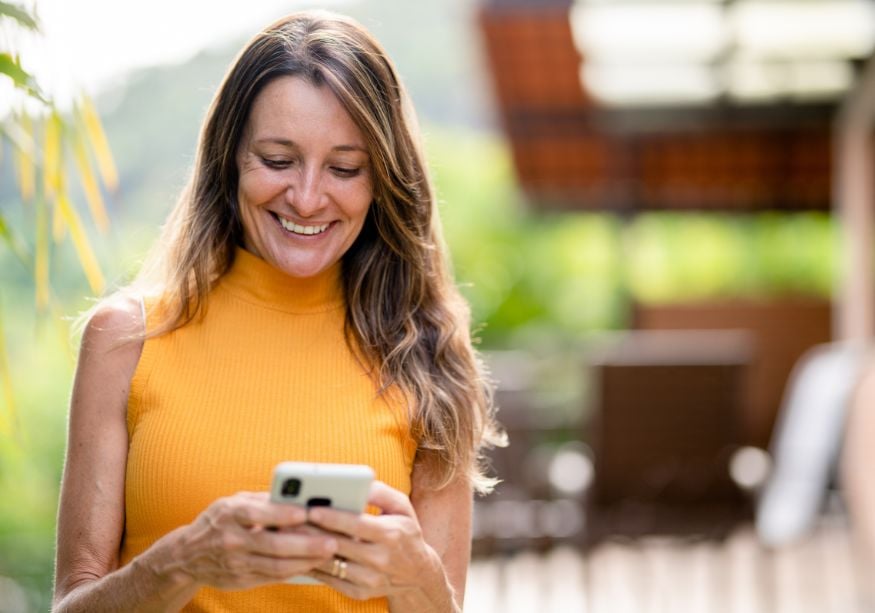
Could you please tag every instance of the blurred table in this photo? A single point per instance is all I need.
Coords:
(665, 423)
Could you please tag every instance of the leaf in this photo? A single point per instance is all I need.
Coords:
(89, 183)
(11, 67)
(80, 242)
(19, 14)
(99, 143)
(52, 178)
(16, 246)
(8, 418)
(19, 137)
(24, 162)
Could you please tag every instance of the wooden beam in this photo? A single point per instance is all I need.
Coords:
(854, 195)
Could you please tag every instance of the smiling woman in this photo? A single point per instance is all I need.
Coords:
(297, 307)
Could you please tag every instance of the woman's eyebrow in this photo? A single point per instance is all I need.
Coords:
(276, 141)
(349, 148)
(285, 142)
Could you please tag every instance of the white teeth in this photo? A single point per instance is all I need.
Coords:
(308, 230)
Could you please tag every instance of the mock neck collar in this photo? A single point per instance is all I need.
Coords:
(255, 280)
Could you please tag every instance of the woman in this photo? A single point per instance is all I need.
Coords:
(297, 307)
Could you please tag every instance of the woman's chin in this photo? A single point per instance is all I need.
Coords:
(300, 270)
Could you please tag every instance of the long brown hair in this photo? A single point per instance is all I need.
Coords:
(403, 312)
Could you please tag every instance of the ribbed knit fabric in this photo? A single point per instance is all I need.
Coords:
(265, 376)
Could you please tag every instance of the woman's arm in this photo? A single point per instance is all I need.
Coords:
(445, 518)
(226, 546)
(416, 553)
(857, 459)
(91, 512)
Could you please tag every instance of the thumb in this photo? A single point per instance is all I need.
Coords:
(389, 500)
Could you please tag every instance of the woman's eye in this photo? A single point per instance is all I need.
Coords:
(272, 163)
(345, 172)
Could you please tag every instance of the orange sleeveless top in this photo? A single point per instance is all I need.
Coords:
(265, 376)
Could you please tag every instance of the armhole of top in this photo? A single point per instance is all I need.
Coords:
(400, 406)
(143, 370)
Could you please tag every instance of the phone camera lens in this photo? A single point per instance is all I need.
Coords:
(291, 487)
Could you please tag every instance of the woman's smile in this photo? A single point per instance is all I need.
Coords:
(300, 229)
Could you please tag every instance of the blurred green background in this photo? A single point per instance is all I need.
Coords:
(540, 282)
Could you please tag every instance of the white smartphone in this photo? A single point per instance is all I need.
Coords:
(340, 486)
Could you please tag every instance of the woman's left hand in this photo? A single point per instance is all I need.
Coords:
(377, 555)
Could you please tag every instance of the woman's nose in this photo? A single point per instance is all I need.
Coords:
(305, 194)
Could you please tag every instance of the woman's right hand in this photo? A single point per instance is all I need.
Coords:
(243, 541)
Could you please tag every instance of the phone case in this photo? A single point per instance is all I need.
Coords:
(341, 486)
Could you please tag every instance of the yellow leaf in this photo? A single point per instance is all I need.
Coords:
(80, 242)
(41, 259)
(25, 163)
(8, 417)
(99, 143)
(52, 155)
(89, 184)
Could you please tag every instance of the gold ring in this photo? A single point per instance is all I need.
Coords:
(343, 567)
(339, 567)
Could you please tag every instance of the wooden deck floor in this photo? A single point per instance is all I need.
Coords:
(821, 574)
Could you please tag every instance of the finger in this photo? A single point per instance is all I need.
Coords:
(261, 496)
(281, 568)
(329, 567)
(341, 585)
(308, 529)
(359, 582)
(249, 511)
(361, 552)
(293, 545)
(366, 529)
(362, 526)
(347, 570)
(390, 500)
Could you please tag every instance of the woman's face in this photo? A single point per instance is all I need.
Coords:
(305, 179)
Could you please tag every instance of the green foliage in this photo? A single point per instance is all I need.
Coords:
(30, 463)
(679, 257)
(19, 15)
(34, 375)
(10, 64)
(11, 67)
(525, 274)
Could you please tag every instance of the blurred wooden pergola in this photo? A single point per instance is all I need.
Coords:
(854, 199)
(572, 149)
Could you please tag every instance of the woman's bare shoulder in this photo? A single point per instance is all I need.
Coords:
(114, 329)
(116, 318)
